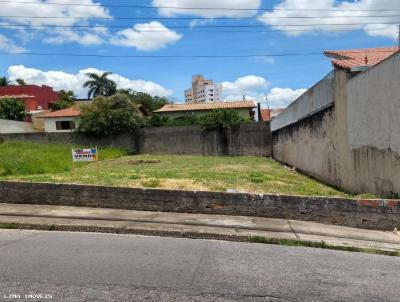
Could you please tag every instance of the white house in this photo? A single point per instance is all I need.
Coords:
(61, 121)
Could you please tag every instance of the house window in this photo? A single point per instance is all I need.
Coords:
(65, 125)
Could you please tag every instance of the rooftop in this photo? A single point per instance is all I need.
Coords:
(347, 59)
(16, 96)
(69, 112)
(207, 106)
(268, 114)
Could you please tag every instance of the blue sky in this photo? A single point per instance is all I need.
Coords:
(282, 78)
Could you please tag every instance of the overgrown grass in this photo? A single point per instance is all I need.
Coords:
(28, 158)
(321, 244)
(52, 163)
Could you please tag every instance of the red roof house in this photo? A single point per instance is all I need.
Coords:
(357, 59)
(34, 97)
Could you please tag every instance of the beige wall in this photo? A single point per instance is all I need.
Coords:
(7, 126)
(50, 124)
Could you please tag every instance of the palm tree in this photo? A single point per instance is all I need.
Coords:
(100, 85)
(4, 81)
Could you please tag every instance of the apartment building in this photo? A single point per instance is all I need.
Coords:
(203, 91)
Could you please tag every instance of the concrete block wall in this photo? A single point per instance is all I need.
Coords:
(247, 139)
(354, 144)
(368, 214)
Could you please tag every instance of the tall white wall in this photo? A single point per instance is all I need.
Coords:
(7, 126)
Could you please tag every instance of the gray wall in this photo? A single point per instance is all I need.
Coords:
(355, 144)
(315, 99)
(368, 214)
(248, 139)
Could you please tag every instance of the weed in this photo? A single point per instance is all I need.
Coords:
(256, 177)
(151, 183)
(7, 225)
(320, 244)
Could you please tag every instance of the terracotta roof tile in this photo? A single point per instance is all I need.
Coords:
(269, 114)
(207, 106)
(347, 59)
(69, 112)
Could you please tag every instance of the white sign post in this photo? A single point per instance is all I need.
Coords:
(85, 155)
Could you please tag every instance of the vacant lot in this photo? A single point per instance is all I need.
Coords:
(26, 158)
(52, 163)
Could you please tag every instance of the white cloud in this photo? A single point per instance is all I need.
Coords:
(9, 46)
(62, 17)
(174, 7)
(282, 97)
(34, 9)
(146, 36)
(67, 81)
(338, 13)
(62, 36)
(254, 88)
(250, 85)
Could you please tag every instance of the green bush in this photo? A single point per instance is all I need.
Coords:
(221, 119)
(216, 119)
(12, 109)
(109, 115)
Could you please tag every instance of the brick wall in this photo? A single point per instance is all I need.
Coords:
(368, 214)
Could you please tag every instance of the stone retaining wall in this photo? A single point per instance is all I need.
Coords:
(367, 214)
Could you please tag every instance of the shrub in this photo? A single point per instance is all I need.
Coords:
(221, 119)
(110, 115)
(12, 109)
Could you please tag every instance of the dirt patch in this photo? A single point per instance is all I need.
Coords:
(142, 161)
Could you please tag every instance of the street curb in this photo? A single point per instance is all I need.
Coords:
(195, 235)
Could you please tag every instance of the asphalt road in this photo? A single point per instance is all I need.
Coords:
(58, 266)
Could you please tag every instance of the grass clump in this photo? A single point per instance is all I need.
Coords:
(321, 244)
(151, 183)
(29, 158)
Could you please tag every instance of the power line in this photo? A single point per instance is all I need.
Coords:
(364, 51)
(200, 26)
(197, 18)
(5, 27)
(194, 8)
(162, 56)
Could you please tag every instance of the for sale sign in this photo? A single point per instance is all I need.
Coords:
(84, 154)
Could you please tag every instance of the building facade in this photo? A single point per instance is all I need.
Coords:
(203, 91)
(34, 97)
(61, 121)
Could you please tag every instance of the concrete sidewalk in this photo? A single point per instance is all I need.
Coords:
(238, 228)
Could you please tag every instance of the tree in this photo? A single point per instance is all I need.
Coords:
(109, 115)
(149, 103)
(100, 85)
(4, 81)
(20, 82)
(221, 119)
(67, 100)
(12, 109)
